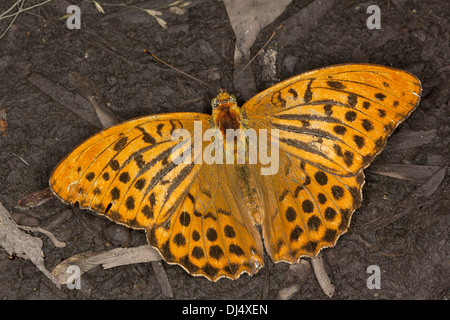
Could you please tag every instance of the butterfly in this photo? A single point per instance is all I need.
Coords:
(208, 216)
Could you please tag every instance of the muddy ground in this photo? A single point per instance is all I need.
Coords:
(412, 252)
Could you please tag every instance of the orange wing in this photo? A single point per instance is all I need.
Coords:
(332, 122)
(119, 171)
(336, 118)
(210, 233)
(190, 212)
(306, 209)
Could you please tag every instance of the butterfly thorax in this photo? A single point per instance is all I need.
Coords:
(228, 120)
(226, 113)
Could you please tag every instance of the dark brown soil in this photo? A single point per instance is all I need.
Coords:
(412, 252)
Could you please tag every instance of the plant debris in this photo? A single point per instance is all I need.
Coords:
(18, 243)
(107, 259)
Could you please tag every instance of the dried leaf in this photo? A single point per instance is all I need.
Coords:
(410, 172)
(17, 242)
(405, 206)
(175, 3)
(162, 278)
(248, 18)
(429, 187)
(177, 10)
(99, 7)
(67, 15)
(161, 22)
(36, 198)
(318, 264)
(411, 139)
(300, 270)
(123, 256)
(75, 103)
(153, 13)
(89, 90)
(108, 259)
(50, 235)
(288, 293)
(183, 5)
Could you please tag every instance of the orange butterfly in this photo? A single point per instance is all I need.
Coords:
(330, 123)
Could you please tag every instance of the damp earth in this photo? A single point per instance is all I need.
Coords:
(402, 226)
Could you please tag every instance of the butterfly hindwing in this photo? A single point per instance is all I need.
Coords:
(209, 233)
(306, 209)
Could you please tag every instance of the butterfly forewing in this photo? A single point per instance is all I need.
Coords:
(117, 171)
(337, 118)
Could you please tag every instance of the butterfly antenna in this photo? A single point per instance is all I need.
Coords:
(176, 69)
(267, 42)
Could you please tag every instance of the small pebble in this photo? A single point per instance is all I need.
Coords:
(117, 235)
(57, 219)
(289, 63)
(300, 270)
(24, 220)
(63, 235)
(288, 293)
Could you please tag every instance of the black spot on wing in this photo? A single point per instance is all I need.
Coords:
(293, 92)
(120, 144)
(352, 100)
(335, 85)
(291, 214)
(380, 96)
(308, 93)
(147, 137)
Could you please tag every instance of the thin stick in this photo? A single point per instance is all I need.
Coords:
(20, 158)
(50, 235)
(23, 10)
(14, 19)
(176, 69)
(12, 7)
(267, 42)
(20, 9)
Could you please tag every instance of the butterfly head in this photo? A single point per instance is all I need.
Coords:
(223, 99)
